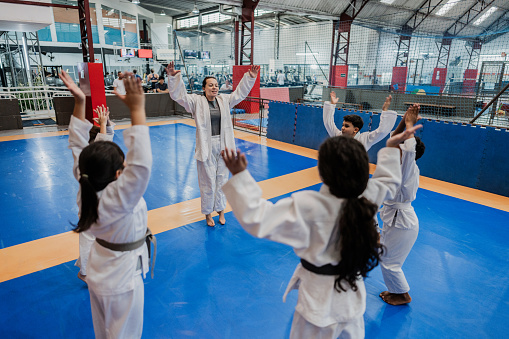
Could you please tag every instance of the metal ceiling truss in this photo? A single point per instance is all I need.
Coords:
(341, 35)
(245, 55)
(424, 11)
(341, 32)
(87, 44)
(498, 28)
(466, 19)
(474, 47)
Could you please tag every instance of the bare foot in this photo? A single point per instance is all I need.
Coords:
(384, 293)
(210, 221)
(222, 220)
(82, 277)
(396, 299)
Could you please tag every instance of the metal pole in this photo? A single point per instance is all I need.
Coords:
(26, 59)
(490, 103)
(183, 60)
(331, 67)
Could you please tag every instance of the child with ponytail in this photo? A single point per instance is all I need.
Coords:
(332, 231)
(112, 208)
(105, 132)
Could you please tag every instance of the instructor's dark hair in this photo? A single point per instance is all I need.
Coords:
(344, 167)
(98, 165)
(355, 120)
(205, 81)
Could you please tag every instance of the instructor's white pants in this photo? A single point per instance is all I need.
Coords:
(118, 316)
(398, 243)
(303, 329)
(212, 175)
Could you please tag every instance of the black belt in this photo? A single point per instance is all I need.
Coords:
(322, 270)
(130, 246)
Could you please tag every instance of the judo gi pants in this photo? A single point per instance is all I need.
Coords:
(303, 329)
(118, 316)
(86, 241)
(212, 175)
(398, 243)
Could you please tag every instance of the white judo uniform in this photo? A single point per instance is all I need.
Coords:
(212, 172)
(367, 139)
(306, 221)
(400, 223)
(115, 279)
(87, 238)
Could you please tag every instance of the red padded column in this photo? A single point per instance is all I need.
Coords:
(92, 84)
(399, 78)
(469, 80)
(340, 76)
(439, 77)
(248, 106)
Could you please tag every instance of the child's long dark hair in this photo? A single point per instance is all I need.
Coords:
(344, 167)
(98, 165)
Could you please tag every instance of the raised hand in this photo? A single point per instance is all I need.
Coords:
(333, 99)
(387, 103)
(412, 115)
(395, 140)
(103, 114)
(236, 162)
(170, 69)
(253, 72)
(72, 87)
(134, 98)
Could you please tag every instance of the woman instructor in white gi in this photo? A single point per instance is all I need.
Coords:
(214, 132)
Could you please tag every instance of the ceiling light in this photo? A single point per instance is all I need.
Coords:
(445, 8)
(388, 2)
(485, 15)
(162, 13)
(136, 2)
(195, 10)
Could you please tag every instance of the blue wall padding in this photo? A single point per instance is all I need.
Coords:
(310, 130)
(373, 151)
(281, 121)
(466, 155)
(494, 173)
(453, 152)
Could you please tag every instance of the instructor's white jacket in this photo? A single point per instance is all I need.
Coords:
(306, 221)
(367, 139)
(198, 106)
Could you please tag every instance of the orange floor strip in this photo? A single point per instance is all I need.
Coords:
(442, 187)
(47, 252)
(37, 255)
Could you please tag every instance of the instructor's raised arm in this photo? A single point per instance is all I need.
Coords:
(245, 86)
(178, 89)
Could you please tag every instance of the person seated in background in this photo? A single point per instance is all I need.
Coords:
(161, 87)
(226, 86)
